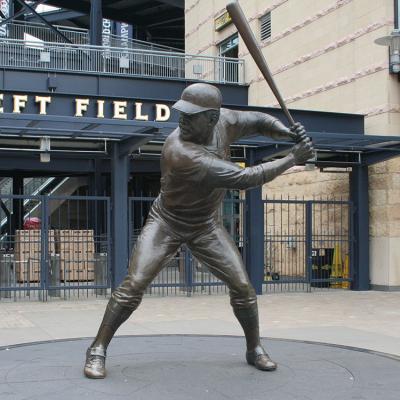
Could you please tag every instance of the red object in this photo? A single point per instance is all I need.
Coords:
(32, 223)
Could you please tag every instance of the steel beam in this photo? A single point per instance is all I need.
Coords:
(96, 17)
(85, 7)
(254, 228)
(17, 212)
(96, 182)
(110, 87)
(129, 145)
(309, 240)
(31, 163)
(119, 215)
(97, 210)
(18, 13)
(32, 10)
(174, 3)
(359, 197)
(380, 156)
(59, 15)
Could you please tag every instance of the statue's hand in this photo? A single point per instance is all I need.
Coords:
(298, 132)
(303, 150)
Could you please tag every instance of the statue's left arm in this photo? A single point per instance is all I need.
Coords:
(240, 124)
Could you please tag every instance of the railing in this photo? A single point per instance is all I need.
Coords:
(119, 61)
(33, 186)
(20, 29)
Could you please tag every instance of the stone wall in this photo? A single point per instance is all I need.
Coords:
(385, 224)
(300, 183)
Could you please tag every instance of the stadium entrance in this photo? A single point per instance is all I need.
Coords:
(81, 130)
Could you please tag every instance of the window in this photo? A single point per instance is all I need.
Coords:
(265, 23)
(230, 47)
(229, 68)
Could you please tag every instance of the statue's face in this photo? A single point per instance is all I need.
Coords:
(197, 128)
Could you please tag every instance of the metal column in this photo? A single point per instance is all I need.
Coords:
(359, 197)
(96, 19)
(17, 213)
(309, 241)
(96, 181)
(255, 234)
(97, 188)
(11, 8)
(119, 214)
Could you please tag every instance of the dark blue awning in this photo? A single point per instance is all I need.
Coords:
(333, 149)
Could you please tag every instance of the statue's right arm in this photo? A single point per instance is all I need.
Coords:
(212, 172)
(218, 173)
(227, 175)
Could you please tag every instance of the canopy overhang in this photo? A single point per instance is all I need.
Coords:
(334, 149)
(22, 132)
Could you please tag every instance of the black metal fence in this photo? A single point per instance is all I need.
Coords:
(54, 246)
(308, 245)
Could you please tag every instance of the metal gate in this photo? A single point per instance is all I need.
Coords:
(184, 274)
(54, 246)
(308, 245)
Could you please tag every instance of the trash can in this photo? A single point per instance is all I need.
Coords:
(321, 267)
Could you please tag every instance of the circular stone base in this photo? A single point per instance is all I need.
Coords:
(197, 367)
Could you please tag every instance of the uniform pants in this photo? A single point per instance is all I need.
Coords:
(213, 247)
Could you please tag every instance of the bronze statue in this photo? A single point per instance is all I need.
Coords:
(195, 172)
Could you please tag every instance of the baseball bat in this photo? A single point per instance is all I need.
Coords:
(240, 21)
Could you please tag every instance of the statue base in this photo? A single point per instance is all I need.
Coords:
(197, 367)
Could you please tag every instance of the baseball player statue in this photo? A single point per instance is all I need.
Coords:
(195, 172)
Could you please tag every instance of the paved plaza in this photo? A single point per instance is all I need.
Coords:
(369, 320)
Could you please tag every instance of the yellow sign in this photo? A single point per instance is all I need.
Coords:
(222, 21)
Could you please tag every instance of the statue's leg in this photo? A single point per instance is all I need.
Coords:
(154, 247)
(219, 253)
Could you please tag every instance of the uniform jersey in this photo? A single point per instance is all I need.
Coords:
(194, 177)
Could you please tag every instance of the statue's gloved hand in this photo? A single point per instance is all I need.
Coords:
(303, 150)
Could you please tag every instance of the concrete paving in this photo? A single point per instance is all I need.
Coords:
(196, 367)
(368, 320)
